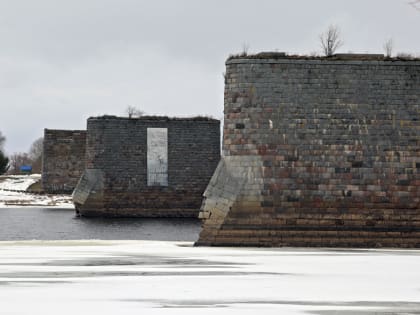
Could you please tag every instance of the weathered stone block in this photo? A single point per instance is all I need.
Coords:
(63, 160)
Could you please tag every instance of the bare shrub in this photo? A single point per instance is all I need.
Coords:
(389, 47)
(133, 112)
(330, 40)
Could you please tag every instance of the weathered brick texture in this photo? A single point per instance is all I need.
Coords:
(115, 180)
(63, 160)
(317, 152)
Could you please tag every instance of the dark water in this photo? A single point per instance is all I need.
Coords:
(61, 224)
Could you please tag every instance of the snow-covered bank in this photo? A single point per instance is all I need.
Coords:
(145, 277)
(13, 193)
(18, 182)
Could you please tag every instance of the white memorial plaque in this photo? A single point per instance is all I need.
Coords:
(157, 156)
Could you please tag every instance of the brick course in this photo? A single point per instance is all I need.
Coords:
(63, 160)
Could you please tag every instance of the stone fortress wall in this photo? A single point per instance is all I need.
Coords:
(148, 166)
(317, 152)
(63, 160)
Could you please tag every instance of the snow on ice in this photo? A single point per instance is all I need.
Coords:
(149, 277)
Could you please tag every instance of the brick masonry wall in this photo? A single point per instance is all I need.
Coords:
(317, 152)
(63, 160)
(115, 181)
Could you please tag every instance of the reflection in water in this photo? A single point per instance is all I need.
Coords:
(62, 224)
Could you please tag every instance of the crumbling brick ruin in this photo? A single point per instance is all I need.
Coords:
(63, 160)
(317, 152)
(147, 166)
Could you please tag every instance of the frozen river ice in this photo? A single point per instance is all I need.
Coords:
(54, 263)
(158, 277)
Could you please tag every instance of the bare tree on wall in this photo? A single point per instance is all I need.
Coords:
(133, 112)
(330, 40)
(389, 47)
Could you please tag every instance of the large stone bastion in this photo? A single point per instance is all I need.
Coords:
(317, 152)
(147, 167)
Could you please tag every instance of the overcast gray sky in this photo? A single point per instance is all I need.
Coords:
(63, 61)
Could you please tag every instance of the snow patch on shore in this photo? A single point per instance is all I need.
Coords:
(13, 193)
(18, 182)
